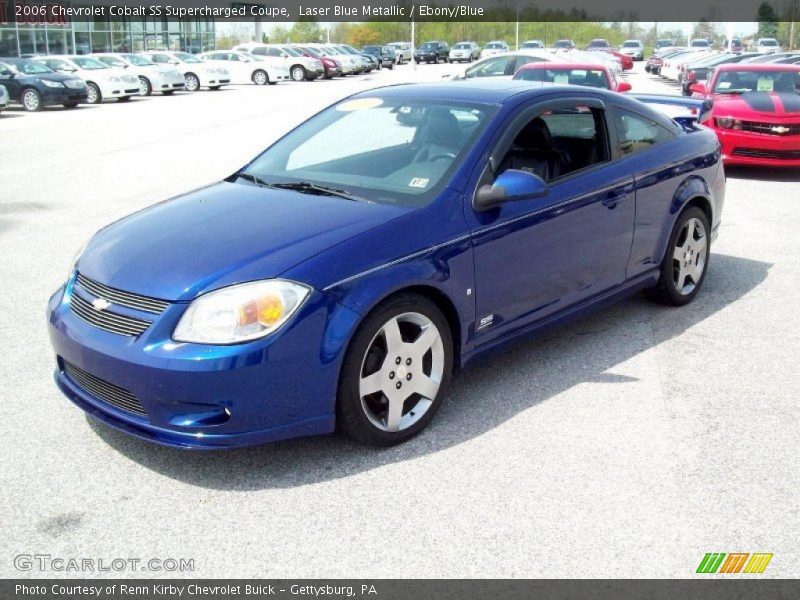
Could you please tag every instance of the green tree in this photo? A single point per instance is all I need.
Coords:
(767, 21)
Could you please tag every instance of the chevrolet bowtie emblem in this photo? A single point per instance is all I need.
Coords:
(780, 129)
(100, 304)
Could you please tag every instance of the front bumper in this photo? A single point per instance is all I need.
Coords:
(202, 396)
(52, 96)
(745, 148)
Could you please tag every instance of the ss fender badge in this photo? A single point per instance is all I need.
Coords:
(485, 321)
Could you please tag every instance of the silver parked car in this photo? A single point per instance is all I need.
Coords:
(3, 98)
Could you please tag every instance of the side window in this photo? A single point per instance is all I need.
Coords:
(637, 132)
(160, 59)
(524, 60)
(4, 71)
(493, 67)
(559, 142)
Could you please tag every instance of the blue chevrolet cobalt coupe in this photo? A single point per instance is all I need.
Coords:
(341, 278)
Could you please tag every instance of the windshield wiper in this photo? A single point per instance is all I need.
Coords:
(306, 187)
(253, 179)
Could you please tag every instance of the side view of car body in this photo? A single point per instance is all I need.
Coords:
(246, 68)
(404, 51)
(196, 73)
(583, 74)
(34, 85)
(432, 52)
(102, 81)
(493, 48)
(464, 52)
(756, 113)
(633, 48)
(344, 284)
(152, 77)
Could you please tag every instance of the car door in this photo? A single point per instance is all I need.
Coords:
(536, 257)
(10, 81)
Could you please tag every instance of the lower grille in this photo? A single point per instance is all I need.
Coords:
(109, 321)
(108, 392)
(776, 154)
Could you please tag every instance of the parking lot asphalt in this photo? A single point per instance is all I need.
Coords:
(627, 444)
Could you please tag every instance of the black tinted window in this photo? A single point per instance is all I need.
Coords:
(639, 133)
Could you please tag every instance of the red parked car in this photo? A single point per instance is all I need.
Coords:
(586, 74)
(756, 113)
(624, 59)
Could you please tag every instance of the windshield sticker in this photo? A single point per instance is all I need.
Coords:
(724, 85)
(561, 78)
(418, 182)
(359, 104)
(764, 84)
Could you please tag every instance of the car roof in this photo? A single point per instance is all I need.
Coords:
(478, 90)
(757, 67)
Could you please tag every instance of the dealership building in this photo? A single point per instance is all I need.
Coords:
(52, 34)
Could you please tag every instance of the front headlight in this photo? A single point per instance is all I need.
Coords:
(52, 84)
(729, 123)
(240, 313)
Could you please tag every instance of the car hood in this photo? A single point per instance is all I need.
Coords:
(757, 104)
(220, 235)
(52, 76)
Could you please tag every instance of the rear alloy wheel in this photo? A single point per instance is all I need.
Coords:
(396, 372)
(192, 82)
(31, 100)
(298, 73)
(145, 87)
(686, 262)
(260, 77)
(93, 95)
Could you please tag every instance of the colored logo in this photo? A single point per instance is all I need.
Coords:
(735, 562)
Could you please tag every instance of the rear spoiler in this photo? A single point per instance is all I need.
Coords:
(700, 108)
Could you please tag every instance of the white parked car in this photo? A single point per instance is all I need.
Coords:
(3, 98)
(196, 73)
(300, 67)
(102, 82)
(503, 65)
(767, 46)
(671, 68)
(152, 77)
(248, 68)
(633, 48)
(532, 44)
(464, 52)
(494, 48)
(403, 50)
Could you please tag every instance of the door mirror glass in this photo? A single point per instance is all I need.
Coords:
(511, 184)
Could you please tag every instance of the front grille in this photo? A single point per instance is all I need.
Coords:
(75, 84)
(107, 320)
(766, 128)
(108, 392)
(135, 301)
(759, 153)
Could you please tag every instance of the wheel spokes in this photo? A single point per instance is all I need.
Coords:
(394, 341)
(425, 386)
(394, 413)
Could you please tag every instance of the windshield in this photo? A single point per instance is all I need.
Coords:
(461, 47)
(743, 81)
(562, 44)
(387, 150)
(700, 44)
(630, 45)
(532, 45)
(30, 67)
(768, 43)
(429, 46)
(291, 51)
(187, 58)
(371, 49)
(494, 45)
(113, 61)
(88, 63)
(565, 76)
(138, 61)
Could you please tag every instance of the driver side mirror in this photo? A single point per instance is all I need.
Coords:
(698, 88)
(623, 86)
(511, 184)
(173, 61)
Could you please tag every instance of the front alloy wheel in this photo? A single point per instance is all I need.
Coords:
(396, 371)
(93, 95)
(298, 73)
(32, 100)
(685, 264)
(145, 87)
(192, 82)
(260, 77)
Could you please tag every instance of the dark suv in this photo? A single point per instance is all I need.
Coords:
(385, 55)
(34, 85)
(432, 52)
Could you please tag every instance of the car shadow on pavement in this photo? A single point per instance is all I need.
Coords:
(763, 173)
(482, 398)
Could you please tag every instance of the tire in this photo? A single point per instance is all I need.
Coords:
(365, 416)
(31, 100)
(94, 94)
(146, 88)
(391, 67)
(297, 73)
(685, 263)
(260, 77)
(70, 104)
(192, 82)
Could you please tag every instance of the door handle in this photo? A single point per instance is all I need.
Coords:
(613, 198)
